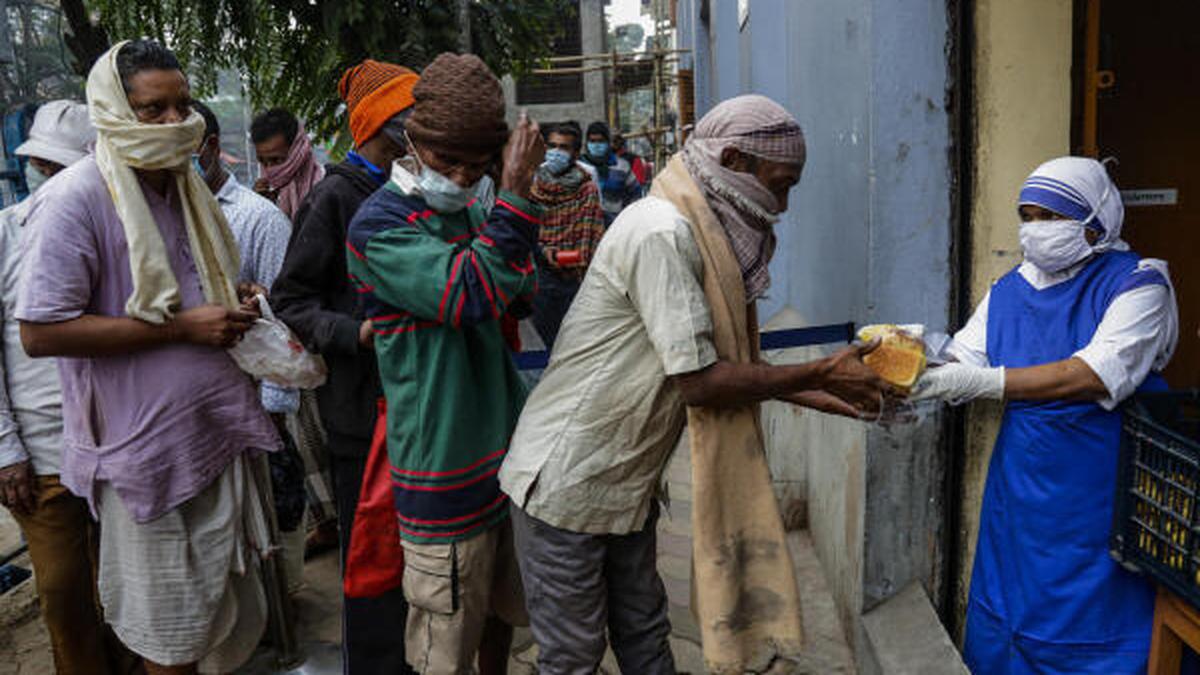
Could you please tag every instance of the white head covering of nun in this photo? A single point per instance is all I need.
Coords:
(1080, 189)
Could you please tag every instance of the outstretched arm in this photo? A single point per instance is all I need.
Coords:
(91, 335)
(818, 383)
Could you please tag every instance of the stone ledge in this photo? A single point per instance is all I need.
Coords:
(906, 637)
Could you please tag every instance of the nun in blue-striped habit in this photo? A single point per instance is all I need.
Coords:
(1063, 338)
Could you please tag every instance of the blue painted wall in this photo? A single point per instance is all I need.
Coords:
(867, 239)
(868, 234)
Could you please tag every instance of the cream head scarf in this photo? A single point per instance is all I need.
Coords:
(122, 145)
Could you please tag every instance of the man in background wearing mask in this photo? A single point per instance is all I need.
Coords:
(664, 330)
(131, 281)
(618, 186)
(636, 164)
(437, 275)
(1064, 337)
(572, 225)
(314, 297)
(289, 168)
(61, 535)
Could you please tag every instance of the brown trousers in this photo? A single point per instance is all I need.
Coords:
(63, 545)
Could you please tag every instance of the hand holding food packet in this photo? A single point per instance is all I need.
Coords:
(901, 359)
(900, 356)
(920, 364)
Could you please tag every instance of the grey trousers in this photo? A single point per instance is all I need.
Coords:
(577, 585)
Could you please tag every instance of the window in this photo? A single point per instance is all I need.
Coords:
(567, 88)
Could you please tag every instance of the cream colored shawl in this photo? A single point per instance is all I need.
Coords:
(124, 144)
(743, 585)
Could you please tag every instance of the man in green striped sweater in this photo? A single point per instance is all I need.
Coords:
(436, 275)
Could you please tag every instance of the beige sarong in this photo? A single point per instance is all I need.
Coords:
(185, 587)
(743, 585)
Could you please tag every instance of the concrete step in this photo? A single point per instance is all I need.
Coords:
(826, 648)
(907, 638)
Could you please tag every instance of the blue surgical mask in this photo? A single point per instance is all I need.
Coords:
(442, 194)
(597, 149)
(197, 165)
(34, 179)
(557, 161)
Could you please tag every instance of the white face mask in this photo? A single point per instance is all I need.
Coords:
(34, 178)
(440, 193)
(1054, 245)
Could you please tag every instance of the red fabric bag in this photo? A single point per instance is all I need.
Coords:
(375, 561)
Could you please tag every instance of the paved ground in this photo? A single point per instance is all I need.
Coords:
(319, 622)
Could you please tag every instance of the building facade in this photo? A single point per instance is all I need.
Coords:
(578, 96)
(922, 120)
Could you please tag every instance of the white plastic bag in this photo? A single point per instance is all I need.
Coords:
(269, 351)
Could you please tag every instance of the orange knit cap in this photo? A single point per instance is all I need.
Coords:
(374, 92)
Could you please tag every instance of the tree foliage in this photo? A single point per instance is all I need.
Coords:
(39, 69)
(291, 53)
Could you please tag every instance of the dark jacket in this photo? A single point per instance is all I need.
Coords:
(313, 295)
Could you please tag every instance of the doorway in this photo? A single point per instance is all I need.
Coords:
(1137, 99)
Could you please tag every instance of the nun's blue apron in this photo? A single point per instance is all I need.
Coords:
(1045, 595)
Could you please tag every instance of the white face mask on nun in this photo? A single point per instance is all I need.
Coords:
(1055, 245)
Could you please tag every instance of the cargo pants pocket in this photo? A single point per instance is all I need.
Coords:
(431, 577)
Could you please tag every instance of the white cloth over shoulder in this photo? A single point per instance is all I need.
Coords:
(124, 144)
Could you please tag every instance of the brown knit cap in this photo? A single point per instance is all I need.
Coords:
(459, 108)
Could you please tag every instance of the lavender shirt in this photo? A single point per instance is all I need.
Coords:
(159, 424)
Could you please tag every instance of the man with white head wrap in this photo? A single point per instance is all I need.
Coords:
(130, 280)
(56, 524)
(663, 331)
(1065, 336)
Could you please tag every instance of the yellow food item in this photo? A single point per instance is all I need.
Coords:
(900, 357)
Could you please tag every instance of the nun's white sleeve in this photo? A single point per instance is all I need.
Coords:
(970, 343)
(1135, 336)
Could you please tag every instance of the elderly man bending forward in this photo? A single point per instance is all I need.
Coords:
(663, 330)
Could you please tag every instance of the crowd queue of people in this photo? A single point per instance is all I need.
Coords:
(133, 461)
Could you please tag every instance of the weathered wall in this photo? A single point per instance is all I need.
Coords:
(594, 105)
(1022, 109)
(867, 239)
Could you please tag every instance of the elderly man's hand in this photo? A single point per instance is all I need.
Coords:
(849, 379)
(524, 153)
(18, 487)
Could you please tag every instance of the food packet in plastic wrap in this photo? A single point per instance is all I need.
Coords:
(270, 351)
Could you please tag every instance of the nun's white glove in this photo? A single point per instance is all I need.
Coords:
(958, 383)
